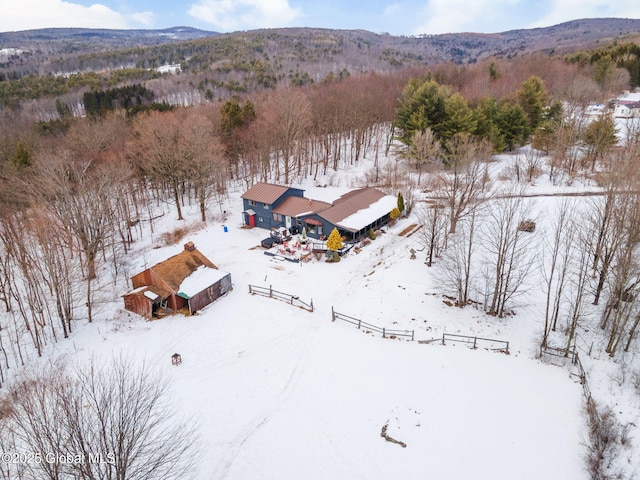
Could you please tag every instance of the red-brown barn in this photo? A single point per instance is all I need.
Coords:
(186, 281)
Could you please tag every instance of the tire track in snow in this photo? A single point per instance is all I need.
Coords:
(235, 445)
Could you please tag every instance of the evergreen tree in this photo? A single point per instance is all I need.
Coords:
(533, 100)
(334, 242)
(513, 125)
(422, 106)
(400, 202)
(600, 136)
(459, 118)
(22, 157)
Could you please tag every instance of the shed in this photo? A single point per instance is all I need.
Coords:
(187, 281)
(203, 287)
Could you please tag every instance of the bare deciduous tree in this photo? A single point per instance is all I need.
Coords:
(114, 421)
(556, 260)
(424, 149)
(457, 265)
(434, 229)
(287, 116)
(462, 185)
(509, 251)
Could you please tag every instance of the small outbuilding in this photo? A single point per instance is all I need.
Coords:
(185, 282)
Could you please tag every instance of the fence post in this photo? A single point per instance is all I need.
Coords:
(270, 291)
(249, 288)
(333, 314)
(475, 339)
(383, 333)
(359, 322)
(312, 304)
(443, 338)
(507, 347)
(412, 332)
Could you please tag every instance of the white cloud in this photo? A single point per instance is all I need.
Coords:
(143, 18)
(488, 16)
(565, 10)
(30, 14)
(231, 15)
(392, 9)
(453, 16)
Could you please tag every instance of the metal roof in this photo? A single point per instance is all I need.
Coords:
(295, 206)
(350, 203)
(265, 192)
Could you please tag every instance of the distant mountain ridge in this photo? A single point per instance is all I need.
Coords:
(113, 37)
(221, 64)
(583, 33)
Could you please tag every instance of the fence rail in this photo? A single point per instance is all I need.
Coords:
(386, 332)
(285, 297)
(574, 358)
(568, 354)
(504, 345)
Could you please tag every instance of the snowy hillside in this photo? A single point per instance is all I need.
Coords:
(281, 392)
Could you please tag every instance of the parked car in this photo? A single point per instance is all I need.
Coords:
(268, 242)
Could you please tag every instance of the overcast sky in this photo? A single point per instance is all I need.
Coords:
(398, 17)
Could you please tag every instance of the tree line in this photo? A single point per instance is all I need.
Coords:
(75, 193)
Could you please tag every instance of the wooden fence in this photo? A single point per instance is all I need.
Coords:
(491, 343)
(285, 297)
(386, 332)
(565, 355)
(571, 355)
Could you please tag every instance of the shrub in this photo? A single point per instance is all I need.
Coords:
(372, 234)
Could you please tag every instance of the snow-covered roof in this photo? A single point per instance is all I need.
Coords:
(369, 215)
(150, 295)
(200, 280)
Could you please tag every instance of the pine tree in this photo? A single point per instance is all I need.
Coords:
(334, 242)
(22, 157)
(400, 202)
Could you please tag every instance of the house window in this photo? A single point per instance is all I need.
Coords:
(265, 206)
(260, 219)
(252, 203)
(298, 222)
(277, 217)
(315, 229)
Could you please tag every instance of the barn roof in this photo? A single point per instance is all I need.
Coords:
(200, 280)
(296, 206)
(366, 202)
(265, 192)
(175, 269)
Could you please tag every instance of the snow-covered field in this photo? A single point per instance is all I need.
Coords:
(282, 393)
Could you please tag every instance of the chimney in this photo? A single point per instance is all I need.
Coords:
(189, 247)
